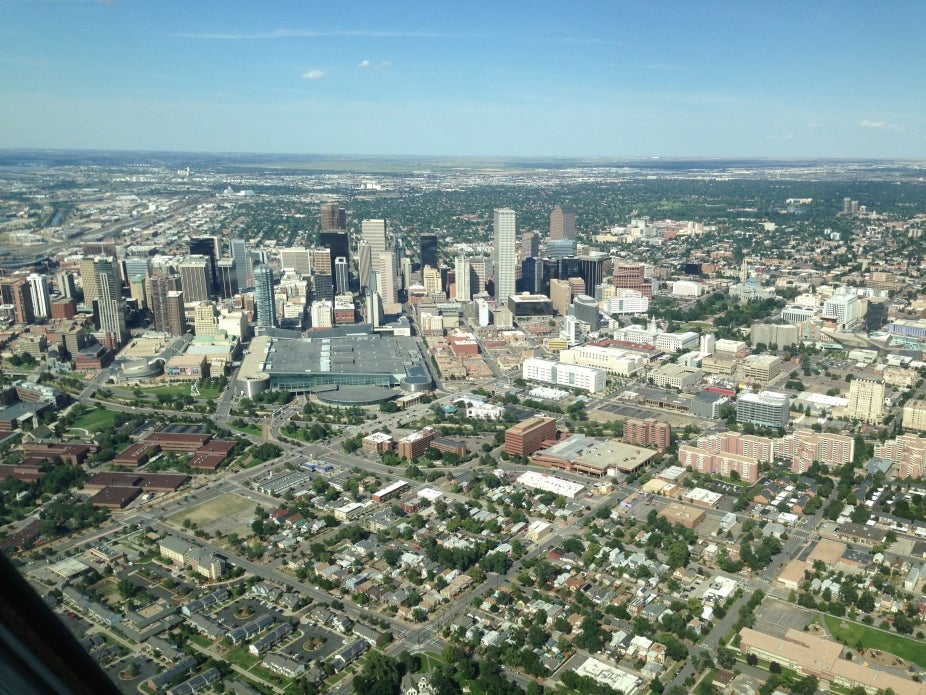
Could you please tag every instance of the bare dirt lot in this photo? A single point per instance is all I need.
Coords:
(229, 513)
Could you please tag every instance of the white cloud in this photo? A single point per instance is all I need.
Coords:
(815, 124)
(364, 64)
(370, 65)
(872, 124)
(313, 75)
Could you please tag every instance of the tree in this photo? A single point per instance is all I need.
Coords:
(726, 657)
(126, 588)
(380, 675)
(805, 686)
(677, 555)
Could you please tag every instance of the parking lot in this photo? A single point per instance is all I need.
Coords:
(777, 617)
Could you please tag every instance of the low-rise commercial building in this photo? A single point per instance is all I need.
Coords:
(560, 374)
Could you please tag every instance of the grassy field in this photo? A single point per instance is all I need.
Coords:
(429, 661)
(96, 420)
(852, 633)
(173, 390)
(247, 429)
(240, 656)
(231, 513)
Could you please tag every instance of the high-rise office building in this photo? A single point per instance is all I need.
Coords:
(430, 251)
(136, 265)
(137, 291)
(111, 309)
(341, 276)
(321, 261)
(264, 301)
(16, 291)
(386, 277)
(481, 268)
(175, 317)
(866, 401)
(364, 263)
(431, 279)
(297, 258)
(374, 233)
(205, 319)
(228, 278)
(592, 268)
(530, 245)
(337, 243)
(209, 247)
(561, 248)
(323, 287)
(64, 281)
(41, 300)
(195, 278)
(585, 309)
(243, 268)
(563, 222)
(90, 269)
(462, 290)
(503, 254)
(333, 216)
(159, 285)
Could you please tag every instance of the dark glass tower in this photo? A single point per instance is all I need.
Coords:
(430, 254)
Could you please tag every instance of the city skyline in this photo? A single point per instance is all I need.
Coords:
(611, 80)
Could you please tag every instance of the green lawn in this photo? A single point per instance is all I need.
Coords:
(429, 661)
(247, 429)
(242, 657)
(173, 390)
(96, 420)
(852, 633)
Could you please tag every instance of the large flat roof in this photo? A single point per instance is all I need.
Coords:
(603, 454)
(353, 359)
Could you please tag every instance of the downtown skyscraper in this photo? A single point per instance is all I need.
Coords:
(503, 254)
(264, 300)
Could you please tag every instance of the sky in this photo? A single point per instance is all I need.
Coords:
(508, 78)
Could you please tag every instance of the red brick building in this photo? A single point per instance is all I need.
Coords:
(649, 432)
(528, 436)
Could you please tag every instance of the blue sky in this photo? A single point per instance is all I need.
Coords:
(528, 78)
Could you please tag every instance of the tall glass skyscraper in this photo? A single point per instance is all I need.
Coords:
(239, 251)
(430, 254)
(264, 302)
(503, 254)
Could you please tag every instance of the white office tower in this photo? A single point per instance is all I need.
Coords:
(571, 330)
(112, 309)
(41, 301)
(504, 254)
(322, 314)
(364, 263)
(374, 309)
(482, 312)
(844, 308)
(707, 345)
(341, 275)
(405, 272)
(386, 278)
(462, 269)
(374, 233)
